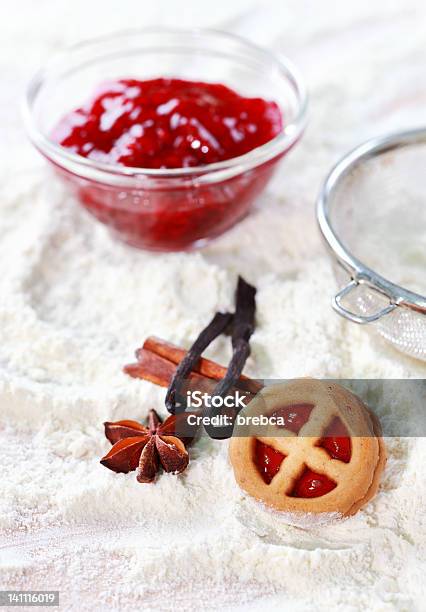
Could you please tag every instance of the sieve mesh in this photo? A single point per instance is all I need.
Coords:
(374, 202)
(403, 327)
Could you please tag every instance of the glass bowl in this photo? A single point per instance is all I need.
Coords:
(372, 215)
(172, 209)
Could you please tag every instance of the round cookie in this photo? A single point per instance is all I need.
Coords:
(327, 457)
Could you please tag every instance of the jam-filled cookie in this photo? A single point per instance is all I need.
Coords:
(322, 454)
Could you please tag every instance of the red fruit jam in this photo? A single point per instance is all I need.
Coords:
(165, 124)
(311, 484)
(168, 123)
(295, 416)
(268, 460)
(336, 441)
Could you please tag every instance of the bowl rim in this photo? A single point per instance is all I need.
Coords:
(271, 149)
(359, 272)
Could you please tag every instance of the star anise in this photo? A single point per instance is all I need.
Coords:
(145, 449)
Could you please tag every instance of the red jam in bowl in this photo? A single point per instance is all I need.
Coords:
(169, 124)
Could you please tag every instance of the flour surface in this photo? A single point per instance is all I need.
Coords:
(74, 305)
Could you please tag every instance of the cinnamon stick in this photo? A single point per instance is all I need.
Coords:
(155, 368)
(175, 354)
(160, 371)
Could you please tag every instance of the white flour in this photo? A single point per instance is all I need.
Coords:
(74, 305)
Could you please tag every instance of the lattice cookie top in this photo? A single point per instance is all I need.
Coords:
(328, 456)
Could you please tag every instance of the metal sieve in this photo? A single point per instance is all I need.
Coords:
(372, 214)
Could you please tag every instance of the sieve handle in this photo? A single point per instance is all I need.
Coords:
(352, 316)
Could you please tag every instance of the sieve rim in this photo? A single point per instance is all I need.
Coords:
(359, 272)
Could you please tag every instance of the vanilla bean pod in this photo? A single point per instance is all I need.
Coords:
(242, 329)
(243, 325)
(217, 326)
